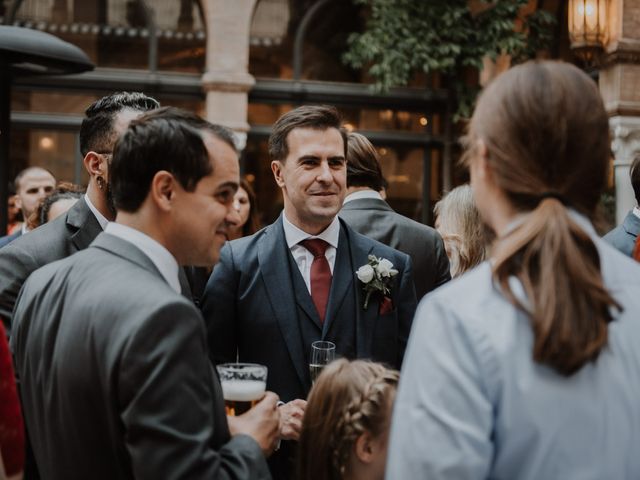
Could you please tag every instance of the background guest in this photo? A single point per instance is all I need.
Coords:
(32, 185)
(105, 120)
(624, 236)
(244, 202)
(527, 367)
(345, 430)
(14, 215)
(459, 223)
(56, 203)
(366, 211)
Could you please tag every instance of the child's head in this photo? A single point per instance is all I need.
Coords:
(346, 423)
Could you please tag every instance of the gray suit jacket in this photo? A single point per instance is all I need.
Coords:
(624, 236)
(7, 239)
(52, 241)
(114, 375)
(376, 219)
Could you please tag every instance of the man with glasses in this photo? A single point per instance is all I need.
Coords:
(105, 121)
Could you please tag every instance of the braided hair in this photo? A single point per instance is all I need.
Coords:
(348, 400)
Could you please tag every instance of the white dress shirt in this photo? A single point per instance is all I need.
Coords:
(362, 194)
(302, 256)
(102, 220)
(160, 256)
(636, 211)
(473, 404)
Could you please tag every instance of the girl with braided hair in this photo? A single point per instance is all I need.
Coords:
(346, 423)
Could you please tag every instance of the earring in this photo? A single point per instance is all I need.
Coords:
(100, 181)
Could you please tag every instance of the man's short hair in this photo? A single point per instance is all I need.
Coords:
(363, 164)
(168, 139)
(320, 117)
(21, 175)
(634, 173)
(96, 131)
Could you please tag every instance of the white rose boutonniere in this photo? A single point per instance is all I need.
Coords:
(376, 276)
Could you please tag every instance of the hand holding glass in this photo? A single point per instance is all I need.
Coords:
(322, 354)
(243, 385)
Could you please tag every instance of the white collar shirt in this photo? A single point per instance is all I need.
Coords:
(636, 211)
(160, 256)
(302, 256)
(102, 220)
(362, 194)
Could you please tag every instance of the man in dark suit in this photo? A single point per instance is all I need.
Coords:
(32, 185)
(112, 360)
(366, 212)
(624, 236)
(104, 122)
(270, 297)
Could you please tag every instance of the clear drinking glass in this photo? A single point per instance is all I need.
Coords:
(243, 385)
(322, 354)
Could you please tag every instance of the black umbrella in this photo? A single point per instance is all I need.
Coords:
(28, 52)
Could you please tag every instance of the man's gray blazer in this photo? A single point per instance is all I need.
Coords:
(52, 241)
(624, 236)
(376, 219)
(114, 374)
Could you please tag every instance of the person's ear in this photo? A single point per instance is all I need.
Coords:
(163, 190)
(95, 164)
(276, 168)
(364, 448)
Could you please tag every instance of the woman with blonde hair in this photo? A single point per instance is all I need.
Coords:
(528, 366)
(346, 423)
(458, 222)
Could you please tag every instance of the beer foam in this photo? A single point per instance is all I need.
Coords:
(243, 390)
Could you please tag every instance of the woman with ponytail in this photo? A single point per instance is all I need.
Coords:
(528, 367)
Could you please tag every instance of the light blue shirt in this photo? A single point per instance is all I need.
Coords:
(472, 403)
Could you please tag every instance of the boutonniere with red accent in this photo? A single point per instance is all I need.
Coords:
(377, 276)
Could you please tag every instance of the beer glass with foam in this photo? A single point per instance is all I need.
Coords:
(243, 385)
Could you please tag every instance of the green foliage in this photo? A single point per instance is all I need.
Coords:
(405, 36)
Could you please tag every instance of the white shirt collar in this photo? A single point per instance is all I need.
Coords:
(294, 235)
(362, 194)
(636, 211)
(160, 256)
(24, 228)
(102, 220)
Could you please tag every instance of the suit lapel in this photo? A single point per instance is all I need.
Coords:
(343, 277)
(273, 260)
(365, 319)
(81, 219)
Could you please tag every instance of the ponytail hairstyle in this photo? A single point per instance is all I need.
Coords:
(347, 400)
(547, 139)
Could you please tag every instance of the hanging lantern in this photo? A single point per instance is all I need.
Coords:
(588, 28)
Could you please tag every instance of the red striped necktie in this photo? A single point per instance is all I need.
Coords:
(320, 275)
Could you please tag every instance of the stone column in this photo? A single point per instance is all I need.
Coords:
(227, 80)
(619, 78)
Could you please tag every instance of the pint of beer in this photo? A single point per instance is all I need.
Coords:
(243, 385)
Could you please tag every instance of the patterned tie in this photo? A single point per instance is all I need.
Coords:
(320, 275)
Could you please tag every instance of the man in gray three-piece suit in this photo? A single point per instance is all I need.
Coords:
(624, 236)
(105, 120)
(294, 282)
(366, 212)
(112, 360)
